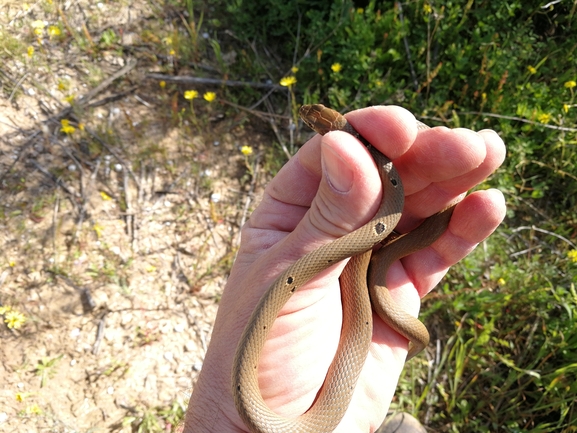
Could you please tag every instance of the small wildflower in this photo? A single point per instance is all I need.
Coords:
(294, 69)
(53, 31)
(69, 99)
(190, 94)
(427, 8)
(336, 67)
(531, 69)
(501, 281)
(572, 255)
(484, 96)
(288, 81)
(33, 410)
(167, 40)
(14, 319)
(5, 309)
(162, 84)
(63, 85)
(566, 108)
(81, 126)
(246, 150)
(98, 229)
(172, 52)
(209, 96)
(150, 268)
(360, 10)
(544, 117)
(30, 51)
(26, 7)
(67, 128)
(105, 196)
(38, 27)
(570, 84)
(21, 396)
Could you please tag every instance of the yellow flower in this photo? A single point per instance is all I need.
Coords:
(162, 84)
(26, 7)
(566, 108)
(33, 410)
(172, 52)
(98, 229)
(190, 94)
(167, 40)
(294, 69)
(150, 268)
(246, 150)
(5, 309)
(63, 85)
(30, 51)
(427, 8)
(379, 83)
(336, 67)
(69, 99)
(360, 10)
(12, 263)
(67, 128)
(53, 31)
(81, 126)
(501, 281)
(209, 96)
(105, 196)
(288, 81)
(531, 70)
(570, 84)
(572, 255)
(14, 319)
(484, 96)
(544, 117)
(20, 396)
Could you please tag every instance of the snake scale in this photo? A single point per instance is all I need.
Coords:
(358, 300)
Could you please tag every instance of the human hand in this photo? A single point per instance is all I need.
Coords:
(330, 188)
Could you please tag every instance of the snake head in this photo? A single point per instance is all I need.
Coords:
(322, 119)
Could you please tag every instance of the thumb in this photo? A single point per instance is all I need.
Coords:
(349, 192)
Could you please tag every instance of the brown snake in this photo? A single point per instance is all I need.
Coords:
(334, 396)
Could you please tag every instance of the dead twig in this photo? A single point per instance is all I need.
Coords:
(185, 79)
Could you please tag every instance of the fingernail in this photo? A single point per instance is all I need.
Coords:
(338, 173)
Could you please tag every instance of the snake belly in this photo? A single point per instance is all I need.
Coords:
(336, 392)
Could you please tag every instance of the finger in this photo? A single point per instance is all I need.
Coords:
(473, 220)
(446, 183)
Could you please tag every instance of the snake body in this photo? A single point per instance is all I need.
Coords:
(336, 393)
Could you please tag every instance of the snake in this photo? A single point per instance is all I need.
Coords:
(363, 289)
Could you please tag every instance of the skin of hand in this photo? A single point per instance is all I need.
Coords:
(330, 188)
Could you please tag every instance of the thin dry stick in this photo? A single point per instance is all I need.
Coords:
(54, 230)
(249, 196)
(537, 229)
(185, 79)
(267, 117)
(519, 119)
(407, 48)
